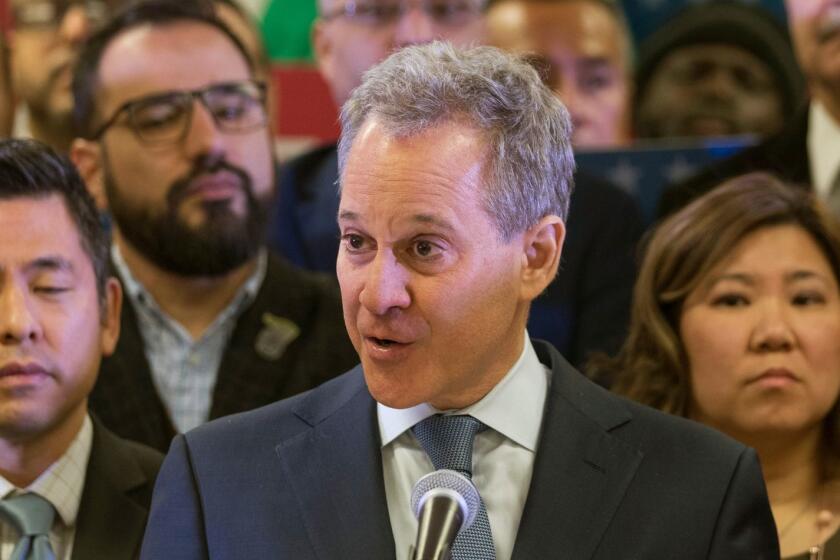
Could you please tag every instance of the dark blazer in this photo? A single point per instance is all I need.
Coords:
(586, 309)
(115, 501)
(785, 155)
(125, 398)
(612, 480)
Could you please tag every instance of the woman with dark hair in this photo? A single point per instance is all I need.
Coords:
(736, 324)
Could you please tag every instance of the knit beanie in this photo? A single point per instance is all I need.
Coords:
(751, 28)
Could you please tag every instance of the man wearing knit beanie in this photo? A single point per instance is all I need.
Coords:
(805, 152)
(719, 69)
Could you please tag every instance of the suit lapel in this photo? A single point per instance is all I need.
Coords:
(125, 398)
(110, 523)
(335, 470)
(581, 472)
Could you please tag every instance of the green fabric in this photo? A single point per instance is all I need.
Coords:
(286, 26)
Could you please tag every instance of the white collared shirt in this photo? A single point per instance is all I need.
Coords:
(823, 148)
(61, 484)
(503, 454)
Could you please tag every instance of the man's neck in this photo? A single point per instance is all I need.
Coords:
(193, 301)
(23, 458)
(54, 136)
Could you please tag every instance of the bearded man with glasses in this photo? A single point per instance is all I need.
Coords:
(175, 144)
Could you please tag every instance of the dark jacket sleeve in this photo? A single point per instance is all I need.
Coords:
(745, 526)
(176, 525)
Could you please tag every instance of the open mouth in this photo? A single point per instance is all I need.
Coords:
(384, 342)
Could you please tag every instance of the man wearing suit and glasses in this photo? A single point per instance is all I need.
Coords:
(456, 170)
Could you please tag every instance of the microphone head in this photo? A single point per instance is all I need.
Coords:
(450, 482)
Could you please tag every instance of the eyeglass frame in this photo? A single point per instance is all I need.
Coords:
(61, 9)
(348, 8)
(195, 94)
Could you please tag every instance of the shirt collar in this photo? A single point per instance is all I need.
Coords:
(514, 407)
(63, 481)
(141, 298)
(823, 139)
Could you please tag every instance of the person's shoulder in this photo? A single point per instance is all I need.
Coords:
(302, 169)
(277, 421)
(784, 154)
(658, 435)
(283, 279)
(107, 442)
(597, 201)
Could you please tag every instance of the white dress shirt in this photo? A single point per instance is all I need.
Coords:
(823, 148)
(61, 484)
(503, 454)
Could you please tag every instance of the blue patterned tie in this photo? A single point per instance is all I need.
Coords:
(448, 440)
(32, 516)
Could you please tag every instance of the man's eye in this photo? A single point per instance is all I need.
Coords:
(50, 290)
(425, 249)
(376, 13)
(353, 242)
(157, 116)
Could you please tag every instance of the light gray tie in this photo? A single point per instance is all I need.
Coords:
(33, 516)
(448, 440)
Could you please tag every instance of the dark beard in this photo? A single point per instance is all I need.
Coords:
(221, 244)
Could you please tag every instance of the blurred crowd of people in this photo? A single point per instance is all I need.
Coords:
(725, 311)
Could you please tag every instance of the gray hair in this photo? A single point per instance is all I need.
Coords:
(529, 156)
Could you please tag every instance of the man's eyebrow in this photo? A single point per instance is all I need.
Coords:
(50, 262)
(350, 216)
(434, 220)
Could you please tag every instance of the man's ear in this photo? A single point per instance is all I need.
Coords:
(111, 316)
(542, 246)
(87, 157)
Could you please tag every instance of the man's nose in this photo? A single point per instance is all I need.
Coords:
(18, 323)
(414, 26)
(203, 136)
(386, 285)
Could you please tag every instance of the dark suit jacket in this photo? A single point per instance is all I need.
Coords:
(125, 398)
(115, 501)
(612, 480)
(784, 155)
(586, 308)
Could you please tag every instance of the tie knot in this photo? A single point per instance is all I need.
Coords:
(29, 513)
(448, 440)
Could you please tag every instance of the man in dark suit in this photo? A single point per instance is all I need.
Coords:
(455, 175)
(805, 152)
(83, 492)
(587, 308)
(180, 153)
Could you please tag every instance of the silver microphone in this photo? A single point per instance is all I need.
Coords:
(445, 502)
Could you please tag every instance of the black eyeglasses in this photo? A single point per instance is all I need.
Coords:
(165, 118)
(50, 13)
(376, 13)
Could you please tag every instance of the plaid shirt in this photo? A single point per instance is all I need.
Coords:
(184, 370)
(61, 484)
